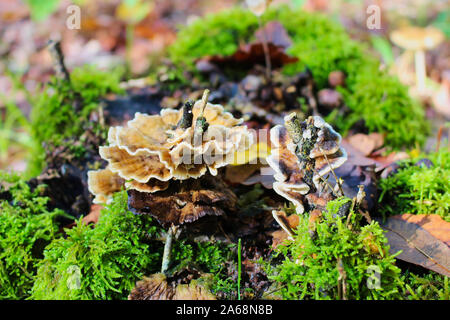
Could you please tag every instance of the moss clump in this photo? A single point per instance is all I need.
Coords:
(384, 104)
(53, 117)
(26, 226)
(419, 187)
(431, 286)
(211, 258)
(217, 34)
(324, 46)
(310, 266)
(102, 262)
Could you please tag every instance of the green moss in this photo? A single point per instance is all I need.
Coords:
(26, 226)
(53, 117)
(383, 102)
(310, 266)
(431, 286)
(216, 34)
(418, 189)
(208, 257)
(106, 261)
(324, 46)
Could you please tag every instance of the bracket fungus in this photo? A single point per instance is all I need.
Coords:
(156, 153)
(303, 153)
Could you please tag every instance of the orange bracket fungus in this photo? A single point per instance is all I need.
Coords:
(302, 154)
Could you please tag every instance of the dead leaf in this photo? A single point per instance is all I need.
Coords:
(274, 32)
(423, 239)
(250, 54)
(158, 287)
(366, 143)
(93, 216)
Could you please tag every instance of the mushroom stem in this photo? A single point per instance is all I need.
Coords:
(168, 249)
(420, 66)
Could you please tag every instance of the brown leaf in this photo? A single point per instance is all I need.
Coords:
(424, 240)
(366, 143)
(274, 32)
(158, 287)
(93, 216)
(184, 201)
(250, 54)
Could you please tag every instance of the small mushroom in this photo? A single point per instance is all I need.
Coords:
(303, 153)
(418, 40)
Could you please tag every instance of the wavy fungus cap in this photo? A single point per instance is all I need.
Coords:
(325, 154)
(151, 150)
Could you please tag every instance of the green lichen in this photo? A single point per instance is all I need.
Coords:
(418, 189)
(103, 262)
(323, 46)
(26, 226)
(309, 269)
(53, 117)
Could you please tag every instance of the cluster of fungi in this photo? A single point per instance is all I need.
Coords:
(169, 165)
(167, 162)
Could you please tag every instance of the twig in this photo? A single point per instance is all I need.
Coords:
(334, 173)
(54, 46)
(239, 269)
(438, 138)
(168, 248)
(200, 123)
(342, 285)
(266, 51)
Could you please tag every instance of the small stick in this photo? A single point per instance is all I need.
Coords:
(342, 285)
(239, 268)
(167, 249)
(266, 51)
(200, 123)
(54, 47)
(438, 138)
(334, 174)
